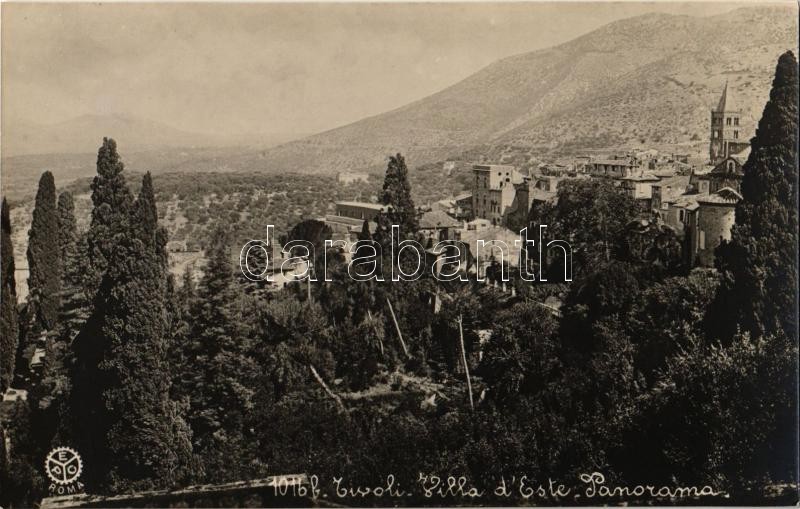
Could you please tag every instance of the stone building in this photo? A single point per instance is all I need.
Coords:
(669, 200)
(618, 167)
(463, 207)
(708, 224)
(728, 172)
(348, 220)
(493, 191)
(640, 188)
(436, 225)
(527, 194)
(701, 207)
(727, 128)
(359, 210)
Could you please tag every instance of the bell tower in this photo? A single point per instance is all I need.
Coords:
(727, 129)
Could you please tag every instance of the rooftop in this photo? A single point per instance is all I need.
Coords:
(742, 156)
(726, 102)
(725, 196)
(362, 204)
(437, 219)
(642, 178)
(613, 162)
(491, 167)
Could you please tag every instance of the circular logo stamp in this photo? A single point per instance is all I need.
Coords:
(63, 465)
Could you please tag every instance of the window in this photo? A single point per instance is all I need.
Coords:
(719, 134)
(736, 121)
(681, 215)
(730, 166)
(735, 135)
(728, 121)
(702, 239)
(713, 134)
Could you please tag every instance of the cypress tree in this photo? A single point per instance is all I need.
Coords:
(397, 195)
(187, 290)
(112, 202)
(759, 264)
(182, 301)
(68, 239)
(221, 391)
(131, 433)
(44, 258)
(9, 326)
(365, 234)
(363, 240)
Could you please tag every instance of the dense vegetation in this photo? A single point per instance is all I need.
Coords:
(164, 385)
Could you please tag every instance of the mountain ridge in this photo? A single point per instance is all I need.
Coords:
(648, 80)
(515, 100)
(83, 133)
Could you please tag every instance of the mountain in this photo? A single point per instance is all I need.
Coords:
(69, 149)
(648, 80)
(84, 134)
(81, 135)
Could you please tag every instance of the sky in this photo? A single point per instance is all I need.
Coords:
(295, 68)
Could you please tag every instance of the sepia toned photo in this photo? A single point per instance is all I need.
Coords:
(395, 254)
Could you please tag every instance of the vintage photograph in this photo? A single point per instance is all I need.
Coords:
(391, 254)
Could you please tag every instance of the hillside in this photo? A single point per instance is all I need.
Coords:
(645, 80)
(21, 173)
(80, 135)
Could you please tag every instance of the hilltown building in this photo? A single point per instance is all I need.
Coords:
(349, 218)
(503, 196)
(708, 224)
(436, 225)
(728, 172)
(617, 167)
(493, 191)
(640, 188)
(698, 205)
(701, 208)
(727, 128)
(459, 207)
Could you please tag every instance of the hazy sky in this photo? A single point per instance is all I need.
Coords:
(263, 68)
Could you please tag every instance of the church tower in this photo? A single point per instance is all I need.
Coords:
(727, 129)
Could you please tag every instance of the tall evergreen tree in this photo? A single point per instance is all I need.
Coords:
(759, 264)
(180, 310)
(129, 430)
(397, 195)
(187, 290)
(365, 234)
(44, 258)
(9, 326)
(112, 202)
(68, 239)
(221, 394)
